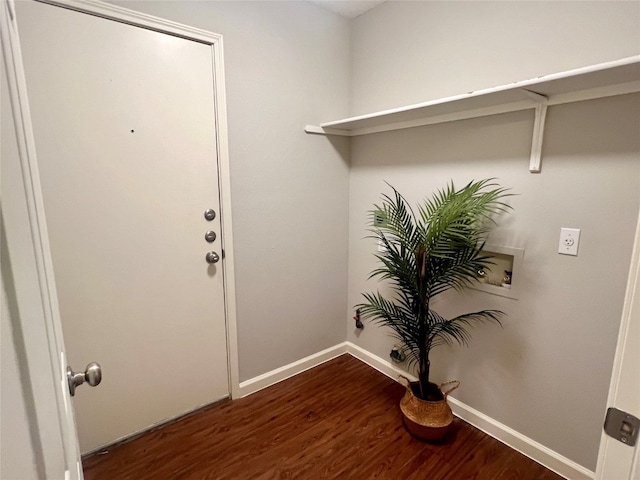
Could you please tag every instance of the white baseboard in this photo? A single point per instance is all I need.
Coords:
(279, 374)
(383, 366)
(525, 445)
(528, 447)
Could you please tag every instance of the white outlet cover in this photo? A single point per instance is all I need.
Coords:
(569, 240)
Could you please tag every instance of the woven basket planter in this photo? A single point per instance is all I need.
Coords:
(428, 420)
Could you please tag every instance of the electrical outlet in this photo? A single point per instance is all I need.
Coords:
(569, 240)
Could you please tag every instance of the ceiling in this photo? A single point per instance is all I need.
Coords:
(348, 8)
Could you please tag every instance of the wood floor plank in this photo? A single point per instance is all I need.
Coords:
(338, 420)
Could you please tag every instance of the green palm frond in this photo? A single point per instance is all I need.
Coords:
(428, 253)
(398, 316)
(455, 330)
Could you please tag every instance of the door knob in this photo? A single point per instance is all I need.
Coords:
(212, 257)
(92, 375)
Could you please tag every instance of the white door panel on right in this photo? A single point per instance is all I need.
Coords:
(124, 122)
(617, 460)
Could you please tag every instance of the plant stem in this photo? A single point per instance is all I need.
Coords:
(423, 316)
(423, 377)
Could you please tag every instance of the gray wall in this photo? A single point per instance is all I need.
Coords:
(406, 52)
(546, 374)
(287, 64)
(297, 208)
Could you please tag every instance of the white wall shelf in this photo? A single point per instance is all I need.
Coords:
(596, 81)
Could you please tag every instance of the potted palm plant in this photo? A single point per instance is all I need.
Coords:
(426, 254)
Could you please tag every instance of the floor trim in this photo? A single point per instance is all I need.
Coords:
(279, 374)
(525, 445)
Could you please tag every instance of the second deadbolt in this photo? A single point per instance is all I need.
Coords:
(209, 214)
(210, 236)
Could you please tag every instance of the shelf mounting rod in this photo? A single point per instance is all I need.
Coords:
(542, 103)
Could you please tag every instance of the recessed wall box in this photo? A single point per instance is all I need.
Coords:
(502, 278)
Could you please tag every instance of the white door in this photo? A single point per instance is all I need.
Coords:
(27, 276)
(124, 126)
(617, 460)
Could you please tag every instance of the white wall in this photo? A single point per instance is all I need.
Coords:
(287, 64)
(546, 374)
(406, 52)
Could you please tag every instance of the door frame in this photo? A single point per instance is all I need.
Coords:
(610, 457)
(35, 302)
(215, 42)
(53, 418)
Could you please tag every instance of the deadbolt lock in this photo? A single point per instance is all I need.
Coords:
(209, 214)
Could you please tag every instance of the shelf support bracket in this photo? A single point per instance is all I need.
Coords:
(538, 130)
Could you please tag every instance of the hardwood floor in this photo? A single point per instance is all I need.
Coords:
(338, 420)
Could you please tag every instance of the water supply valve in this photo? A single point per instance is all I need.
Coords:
(357, 319)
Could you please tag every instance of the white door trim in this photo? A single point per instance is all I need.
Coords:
(607, 444)
(214, 40)
(35, 288)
